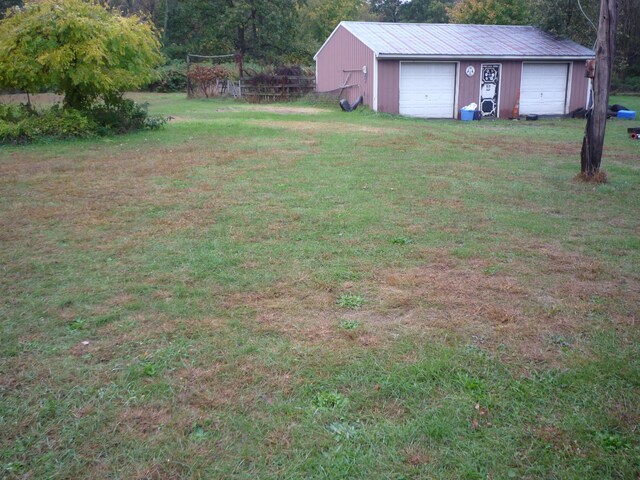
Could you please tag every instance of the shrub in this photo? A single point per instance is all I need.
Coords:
(9, 132)
(52, 123)
(205, 79)
(628, 85)
(65, 123)
(171, 77)
(13, 113)
(120, 115)
(19, 124)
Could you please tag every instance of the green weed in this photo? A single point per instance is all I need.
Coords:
(401, 241)
(342, 431)
(77, 324)
(329, 399)
(349, 300)
(349, 324)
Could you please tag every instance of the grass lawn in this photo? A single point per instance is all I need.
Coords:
(294, 292)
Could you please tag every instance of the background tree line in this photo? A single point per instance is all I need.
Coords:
(291, 31)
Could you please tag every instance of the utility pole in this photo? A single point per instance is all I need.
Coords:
(593, 142)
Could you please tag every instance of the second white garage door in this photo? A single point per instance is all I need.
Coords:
(543, 90)
(427, 89)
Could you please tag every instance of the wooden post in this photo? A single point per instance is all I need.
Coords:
(593, 142)
(239, 63)
(188, 80)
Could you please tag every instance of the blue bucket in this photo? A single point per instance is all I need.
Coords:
(466, 115)
(627, 114)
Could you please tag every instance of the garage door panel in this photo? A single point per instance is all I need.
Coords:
(427, 89)
(543, 89)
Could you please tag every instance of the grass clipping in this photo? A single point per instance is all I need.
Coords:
(597, 177)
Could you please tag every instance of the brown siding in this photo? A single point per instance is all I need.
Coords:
(469, 87)
(579, 86)
(345, 52)
(389, 86)
(508, 88)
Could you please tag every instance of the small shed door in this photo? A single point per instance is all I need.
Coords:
(427, 89)
(489, 89)
(543, 89)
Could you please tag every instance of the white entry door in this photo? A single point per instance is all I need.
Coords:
(427, 89)
(543, 89)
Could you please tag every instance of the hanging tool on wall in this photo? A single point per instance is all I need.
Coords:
(345, 83)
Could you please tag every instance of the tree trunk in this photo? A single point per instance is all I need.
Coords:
(165, 21)
(593, 142)
(241, 45)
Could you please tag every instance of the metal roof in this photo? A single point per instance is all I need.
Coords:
(455, 40)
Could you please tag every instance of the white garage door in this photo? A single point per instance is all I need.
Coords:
(427, 89)
(543, 90)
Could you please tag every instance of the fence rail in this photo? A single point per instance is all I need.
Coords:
(256, 89)
(280, 88)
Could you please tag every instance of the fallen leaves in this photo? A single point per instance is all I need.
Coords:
(480, 418)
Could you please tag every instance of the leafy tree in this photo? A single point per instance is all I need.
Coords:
(491, 12)
(564, 18)
(387, 10)
(425, 11)
(75, 47)
(6, 4)
(322, 16)
(628, 39)
(262, 28)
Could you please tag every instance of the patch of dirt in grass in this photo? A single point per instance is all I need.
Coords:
(417, 455)
(309, 315)
(562, 442)
(323, 127)
(143, 421)
(230, 384)
(166, 470)
(444, 202)
(622, 154)
(626, 416)
(390, 409)
(516, 307)
(111, 190)
(502, 309)
(591, 291)
(280, 438)
(399, 143)
(438, 185)
(512, 147)
(287, 110)
(448, 294)
(559, 261)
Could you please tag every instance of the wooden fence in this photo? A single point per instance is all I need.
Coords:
(276, 88)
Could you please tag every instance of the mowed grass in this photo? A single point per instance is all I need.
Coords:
(295, 292)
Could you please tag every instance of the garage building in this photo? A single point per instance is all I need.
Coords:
(432, 70)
